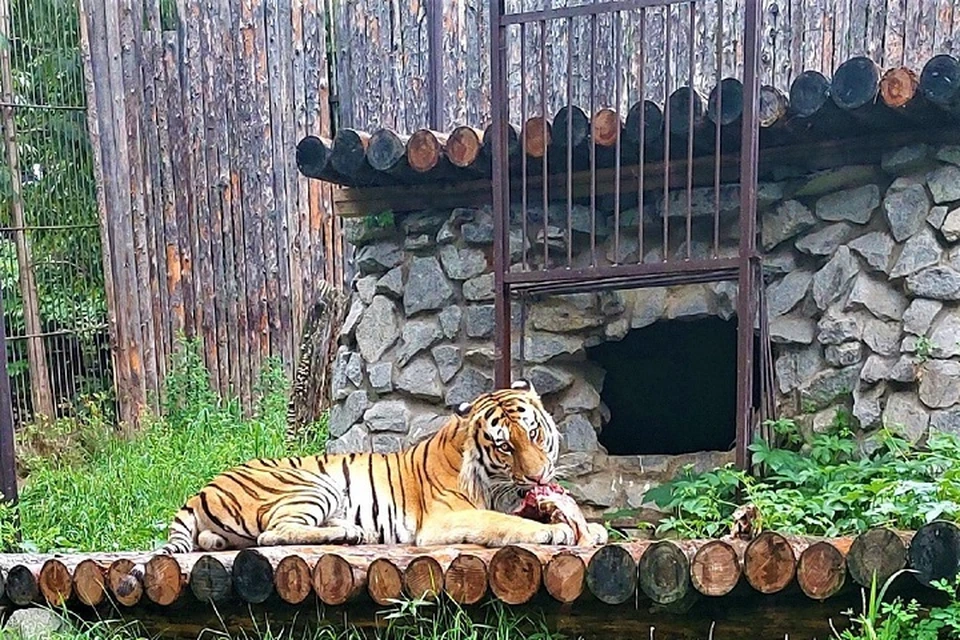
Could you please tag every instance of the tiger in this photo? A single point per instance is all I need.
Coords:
(456, 486)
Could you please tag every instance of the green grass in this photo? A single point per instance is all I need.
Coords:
(89, 488)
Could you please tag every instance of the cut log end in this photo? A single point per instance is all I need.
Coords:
(808, 94)
(571, 127)
(935, 552)
(335, 580)
(56, 585)
(769, 563)
(384, 581)
(424, 150)
(644, 117)
(665, 573)
(856, 83)
(423, 578)
(124, 584)
(879, 551)
(715, 569)
(292, 580)
(89, 582)
(349, 151)
(163, 580)
(679, 105)
(773, 106)
(252, 576)
(821, 571)
(725, 105)
(564, 576)
(940, 81)
(513, 140)
(898, 87)
(463, 146)
(465, 581)
(605, 127)
(537, 133)
(210, 581)
(313, 156)
(22, 587)
(386, 150)
(515, 575)
(612, 574)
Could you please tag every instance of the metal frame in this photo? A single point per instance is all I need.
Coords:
(744, 268)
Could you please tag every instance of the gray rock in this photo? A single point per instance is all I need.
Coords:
(353, 318)
(424, 426)
(580, 220)
(391, 284)
(541, 346)
(417, 243)
(769, 193)
(418, 334)
(387, 415)
(462, 264)
(796, 366)
(421, 379)
(383, 443)
(827, 387)
(378, 257)
(556, 238)
(949, 153)
(792, 330)
(919, 315)
(951, 226)
(338, 379)
(946, 421)
(877, 297)
(937, 216)
(725, 297)
(906, 210)
(467, 386)
(547, 379)
(480, 321)
(876, 248)
(791, 218)
(617, 329)
(877, 368)
(34, 623)
(448, 359)
(414, 224)
(852, 205)
(347, 413)
(450, 319)
(356, 440)
(518, 244)
(905, 416)
(785, 294)
(939, 283)
(906, 159)
(366, 288)
(844, 355)
(560, 315)
(381, 377)
(480, 233)
(648, 306)
(882, 337)
(359, 232)
(841, 177)
(940, 384)
(600, 490)
(825, 241)
(378, 330)
(836, 327)
(611, 303)
(581, 397)
(781, 260)
(354, 369)
(945, 336)
(919, 252)
(833, 279)
(427, 288)
(904, 370)
(577, 434)
(447, 233)
(702, 202)
(868, 405)
(944, 184)
(479, 288)
(690, 301)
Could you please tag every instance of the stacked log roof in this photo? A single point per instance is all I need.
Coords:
(859, 99)
(661, 572)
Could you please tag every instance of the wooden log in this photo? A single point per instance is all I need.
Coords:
(715, 568)
(515, 574)
(652, 125)
(89, 582)
(465, 581)
(56, 584)
(126, 587)
(855, 88)
(606, 127)
(773, 106)
(337, 581)
(900, 92)
(292, 579)
(513, 141)
(571, 128)
(463, 147)
(425, 150)
(23, 586)
(537, 135)
(423, 578)
(811, 109)
(769, 562)
(679, 106)
(210, 580)
(665, 573)
(564, 576)
(313, 159)
(387, 152)
(821, 570)
(934, 552)
(725, 103)
(252, 575)
(163, 580)
(940, 82)
(349, 158)
(879, 551)
(612, 574)
(384, 581)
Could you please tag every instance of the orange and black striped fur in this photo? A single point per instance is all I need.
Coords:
(457, 486)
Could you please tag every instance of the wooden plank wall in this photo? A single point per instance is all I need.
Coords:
(210, 230)
(796, 35)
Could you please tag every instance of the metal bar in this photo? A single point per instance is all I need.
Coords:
(642, 136)
(582, 10)
(718, 152)
(523, 141)
(546, 146)
(749, 263)
(618, 91)
(500, 186)
(596, 274)
(692, 9)
(44, 107)
(665, 279)
(63, 332)
(435, 24)
(569, 104)
(8, 458)
(666, 135)
(593, 142)
(50, 227)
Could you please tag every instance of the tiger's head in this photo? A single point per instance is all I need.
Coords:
(512, 446)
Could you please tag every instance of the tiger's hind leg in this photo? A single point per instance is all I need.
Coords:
(293, 531)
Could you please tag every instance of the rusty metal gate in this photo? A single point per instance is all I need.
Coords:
(655, 61)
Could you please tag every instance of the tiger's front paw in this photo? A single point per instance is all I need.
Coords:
(559, 534)
(597, 534)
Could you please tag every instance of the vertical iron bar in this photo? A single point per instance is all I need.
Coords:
(692, 8)
(435, 24)
(643, 130)
(593, 142)
(666, 135)
(521, 346)
(546, 145)
(501, 185)
(746, 304)
(717, 141)
(618, 90)
(8, 458)
(523, 140)
(569, 104)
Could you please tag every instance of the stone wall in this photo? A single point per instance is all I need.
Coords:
(862, 265)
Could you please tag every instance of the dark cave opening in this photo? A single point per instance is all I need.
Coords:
(671, 388)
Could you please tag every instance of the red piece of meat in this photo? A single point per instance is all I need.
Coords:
(552, 504)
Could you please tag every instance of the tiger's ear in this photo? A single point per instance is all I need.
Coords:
(523, 385)
(464, 408)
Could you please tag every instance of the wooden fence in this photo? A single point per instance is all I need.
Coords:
(411, 39)
(195, 111)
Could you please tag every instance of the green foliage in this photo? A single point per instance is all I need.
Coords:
(105, 492)
(821, 488)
